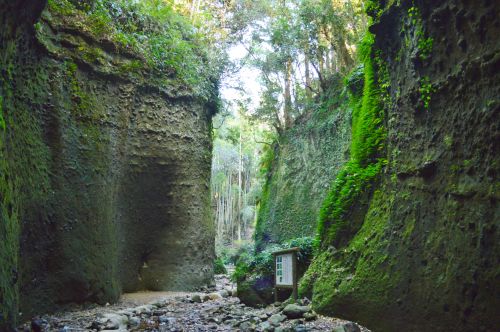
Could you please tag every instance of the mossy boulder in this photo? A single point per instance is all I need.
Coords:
(256, 291)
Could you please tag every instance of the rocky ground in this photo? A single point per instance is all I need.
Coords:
(210, 310)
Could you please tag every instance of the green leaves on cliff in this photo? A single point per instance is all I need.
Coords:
(170, 42)
(368, 136)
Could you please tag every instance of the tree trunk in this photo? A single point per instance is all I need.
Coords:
(308, 87)
(239, 208)
(288, 95)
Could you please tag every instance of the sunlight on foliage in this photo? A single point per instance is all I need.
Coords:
(160, 31)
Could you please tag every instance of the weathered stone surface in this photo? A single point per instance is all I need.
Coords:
(424, 257)
(256, 291)
(181, 314)
(293, 311)
(307, 160)
(309, 316)
(113, 321)
(111, 170)
(276, 319)
(196, 298)
(347, 327)
(215, 296)
(266, 326)
(224, 293)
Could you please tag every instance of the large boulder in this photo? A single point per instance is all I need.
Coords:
(293, 311)
(347, 327)
(256, 291)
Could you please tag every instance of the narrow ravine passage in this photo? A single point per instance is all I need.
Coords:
(211, 309)
(343, 153)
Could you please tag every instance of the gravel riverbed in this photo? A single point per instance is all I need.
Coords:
(209, 310)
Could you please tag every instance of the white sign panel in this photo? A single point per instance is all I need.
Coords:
(284, 270)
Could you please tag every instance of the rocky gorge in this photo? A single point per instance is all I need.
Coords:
(215, 309)
(380, 169)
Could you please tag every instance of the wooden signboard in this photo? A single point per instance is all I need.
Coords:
(285, 272)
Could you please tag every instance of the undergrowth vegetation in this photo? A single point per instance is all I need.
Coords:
(219, 267)
(170, 42)
(262, 263)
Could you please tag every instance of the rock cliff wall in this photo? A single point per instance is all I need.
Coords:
(306, 160)
(423, 247)
(105, 169)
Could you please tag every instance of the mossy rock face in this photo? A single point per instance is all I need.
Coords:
(256, 291)
(104, 176)
(306, 161)
(424, 256)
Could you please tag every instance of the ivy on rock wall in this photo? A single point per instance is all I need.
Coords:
(9, 236)
(409, 244)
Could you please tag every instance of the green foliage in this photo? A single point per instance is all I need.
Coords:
(300, 36)
(374, 8)
(426, 89)
(424, 44)
(166, 39)
(351, 182)
(361, 271)
(263, 211)
(425, 47)
(82, 104)
(293, 192)
(262, 263)
(61, 7)
(9, 232)
(9, 247)
(367, 145)
(266, 160)
(355, 81)
(219, 267)
(236, 181)
(414, 15)
(231, 254)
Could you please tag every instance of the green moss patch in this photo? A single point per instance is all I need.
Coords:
(368, 136)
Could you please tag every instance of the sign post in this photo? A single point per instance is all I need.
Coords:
(285, 271)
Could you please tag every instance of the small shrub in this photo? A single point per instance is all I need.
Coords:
(425, 47)
(219, 267)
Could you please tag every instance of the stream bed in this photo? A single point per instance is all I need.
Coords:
(215, 309)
